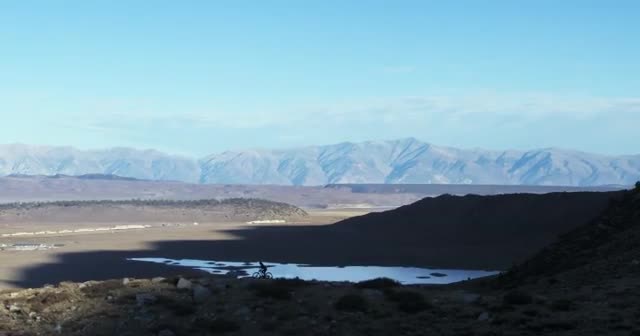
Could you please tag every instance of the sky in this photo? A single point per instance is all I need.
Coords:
(201, 77)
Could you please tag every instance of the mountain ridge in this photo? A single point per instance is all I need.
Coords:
(401, 161)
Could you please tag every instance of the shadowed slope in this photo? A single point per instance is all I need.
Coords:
(470, 232)
(608, 246)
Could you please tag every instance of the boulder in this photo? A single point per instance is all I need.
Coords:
(184, 284)
(145, 298)
(201, 293)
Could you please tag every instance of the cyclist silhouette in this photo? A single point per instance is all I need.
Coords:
(262, 273)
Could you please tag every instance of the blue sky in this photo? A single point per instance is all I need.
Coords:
(198, 77)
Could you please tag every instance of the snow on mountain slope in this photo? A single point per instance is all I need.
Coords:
(142, 164)
(398, 161)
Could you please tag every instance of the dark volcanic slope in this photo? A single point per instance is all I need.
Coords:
(478, 231)
(608, 246)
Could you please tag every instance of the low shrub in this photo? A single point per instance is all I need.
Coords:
(562, 305)
(352, 302)
(408, 301)
(272, 289)
(217, 325)
(517, 297)
(291, 283)
(179, 308)
(378, 283)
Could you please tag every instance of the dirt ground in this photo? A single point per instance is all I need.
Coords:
(217, 305)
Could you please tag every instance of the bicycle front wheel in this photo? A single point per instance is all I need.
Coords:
(268, 275)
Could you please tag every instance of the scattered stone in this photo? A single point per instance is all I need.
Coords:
(243, 312)
(126, 281)
(184, 284)
(14, 308)
(469, 297)
(158, 280)
(145, 298)
(517, 297)
(166, 332)
(635, 262)
(373, 294)
(201, 293)
(483, 317)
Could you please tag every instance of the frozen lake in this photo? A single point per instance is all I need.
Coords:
(406, 275)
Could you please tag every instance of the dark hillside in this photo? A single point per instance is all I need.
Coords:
(606, 247)
(487, 231)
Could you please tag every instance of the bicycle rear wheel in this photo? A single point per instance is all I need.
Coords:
(256, 275)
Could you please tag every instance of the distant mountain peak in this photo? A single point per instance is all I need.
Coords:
(406, 160)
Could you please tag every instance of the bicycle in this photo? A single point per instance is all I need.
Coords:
(262, 274)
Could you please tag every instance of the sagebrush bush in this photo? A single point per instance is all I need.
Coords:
(517, 297)
(408, 301)
(352, 302)
(378, 283)
(562, 305)
(274, 289)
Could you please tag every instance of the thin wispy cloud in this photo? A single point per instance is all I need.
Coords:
(399, 69)
(463, 119)
(524, 107)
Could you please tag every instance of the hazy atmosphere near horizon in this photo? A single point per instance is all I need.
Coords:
(209, 76)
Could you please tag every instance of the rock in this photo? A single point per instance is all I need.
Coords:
(14, 308)
(145, 298)
(470, 297)
(517, 297)
(184, 284)
(635, 262)
(126, 281)
(243, 312)
(373, 294)
(158, 280)
(166, 332)
(205, 281)
(483, 317)
(201, 293)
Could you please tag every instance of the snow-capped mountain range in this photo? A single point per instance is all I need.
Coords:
(397, 161)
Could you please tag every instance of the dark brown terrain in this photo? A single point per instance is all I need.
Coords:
(586, 283)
